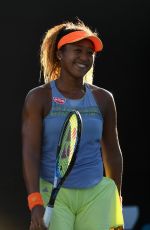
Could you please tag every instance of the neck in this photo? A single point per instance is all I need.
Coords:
(70, 84)
(71, 89)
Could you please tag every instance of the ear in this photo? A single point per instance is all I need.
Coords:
(59, 55)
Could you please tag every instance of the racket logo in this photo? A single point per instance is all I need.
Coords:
(74, 133)
(66, 151)
(59, 100)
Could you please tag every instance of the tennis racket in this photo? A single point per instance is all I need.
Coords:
(65, 158)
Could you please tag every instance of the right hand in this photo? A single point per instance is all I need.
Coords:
(37, 218)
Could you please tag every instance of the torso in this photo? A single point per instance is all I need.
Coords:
(89, 163)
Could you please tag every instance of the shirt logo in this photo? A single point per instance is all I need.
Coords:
(59, 100)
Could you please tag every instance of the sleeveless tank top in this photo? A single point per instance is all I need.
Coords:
(88, 168)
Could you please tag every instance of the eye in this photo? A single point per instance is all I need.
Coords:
(90, 52)
(78, 50)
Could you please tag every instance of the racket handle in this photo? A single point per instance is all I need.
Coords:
(47, 216)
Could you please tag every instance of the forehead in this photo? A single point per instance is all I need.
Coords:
(83, 43)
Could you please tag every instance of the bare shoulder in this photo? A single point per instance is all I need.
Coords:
(103, 97)
(38, 92)
(101, 91)
(38, 98)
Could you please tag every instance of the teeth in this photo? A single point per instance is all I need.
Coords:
(81, 65)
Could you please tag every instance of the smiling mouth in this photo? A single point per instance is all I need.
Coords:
(81, 66)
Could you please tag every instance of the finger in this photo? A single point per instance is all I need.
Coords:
(31, 226)
(35, 226)
(42, 225)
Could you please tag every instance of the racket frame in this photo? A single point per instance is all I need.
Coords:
(59, 181)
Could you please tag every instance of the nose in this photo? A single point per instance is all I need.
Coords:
(84, 56)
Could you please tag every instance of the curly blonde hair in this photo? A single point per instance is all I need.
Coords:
(50, 65)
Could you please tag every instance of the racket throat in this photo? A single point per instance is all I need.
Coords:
(53, 197)
(55, 182)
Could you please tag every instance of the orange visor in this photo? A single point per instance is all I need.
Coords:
(80, 35)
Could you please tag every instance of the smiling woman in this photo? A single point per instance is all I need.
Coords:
(88, 199)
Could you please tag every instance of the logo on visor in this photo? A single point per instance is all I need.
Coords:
(59, 100)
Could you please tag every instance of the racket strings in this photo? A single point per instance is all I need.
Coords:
(68, 145)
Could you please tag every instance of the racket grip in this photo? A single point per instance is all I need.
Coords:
(47, 216)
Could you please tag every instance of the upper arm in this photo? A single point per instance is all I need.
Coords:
(32, 123)
(110, 142)
(106, 103)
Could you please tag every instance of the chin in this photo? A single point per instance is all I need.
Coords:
(79, 74)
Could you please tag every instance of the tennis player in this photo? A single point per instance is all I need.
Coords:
(90, 198)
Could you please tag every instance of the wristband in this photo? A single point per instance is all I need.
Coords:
(34, 199)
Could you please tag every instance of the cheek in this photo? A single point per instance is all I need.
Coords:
(68, 58)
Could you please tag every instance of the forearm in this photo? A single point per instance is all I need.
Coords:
(114, 170)
(31, 173)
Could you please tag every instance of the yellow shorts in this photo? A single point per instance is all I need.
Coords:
(95, 208)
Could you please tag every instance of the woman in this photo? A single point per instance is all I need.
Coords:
(88, 200)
